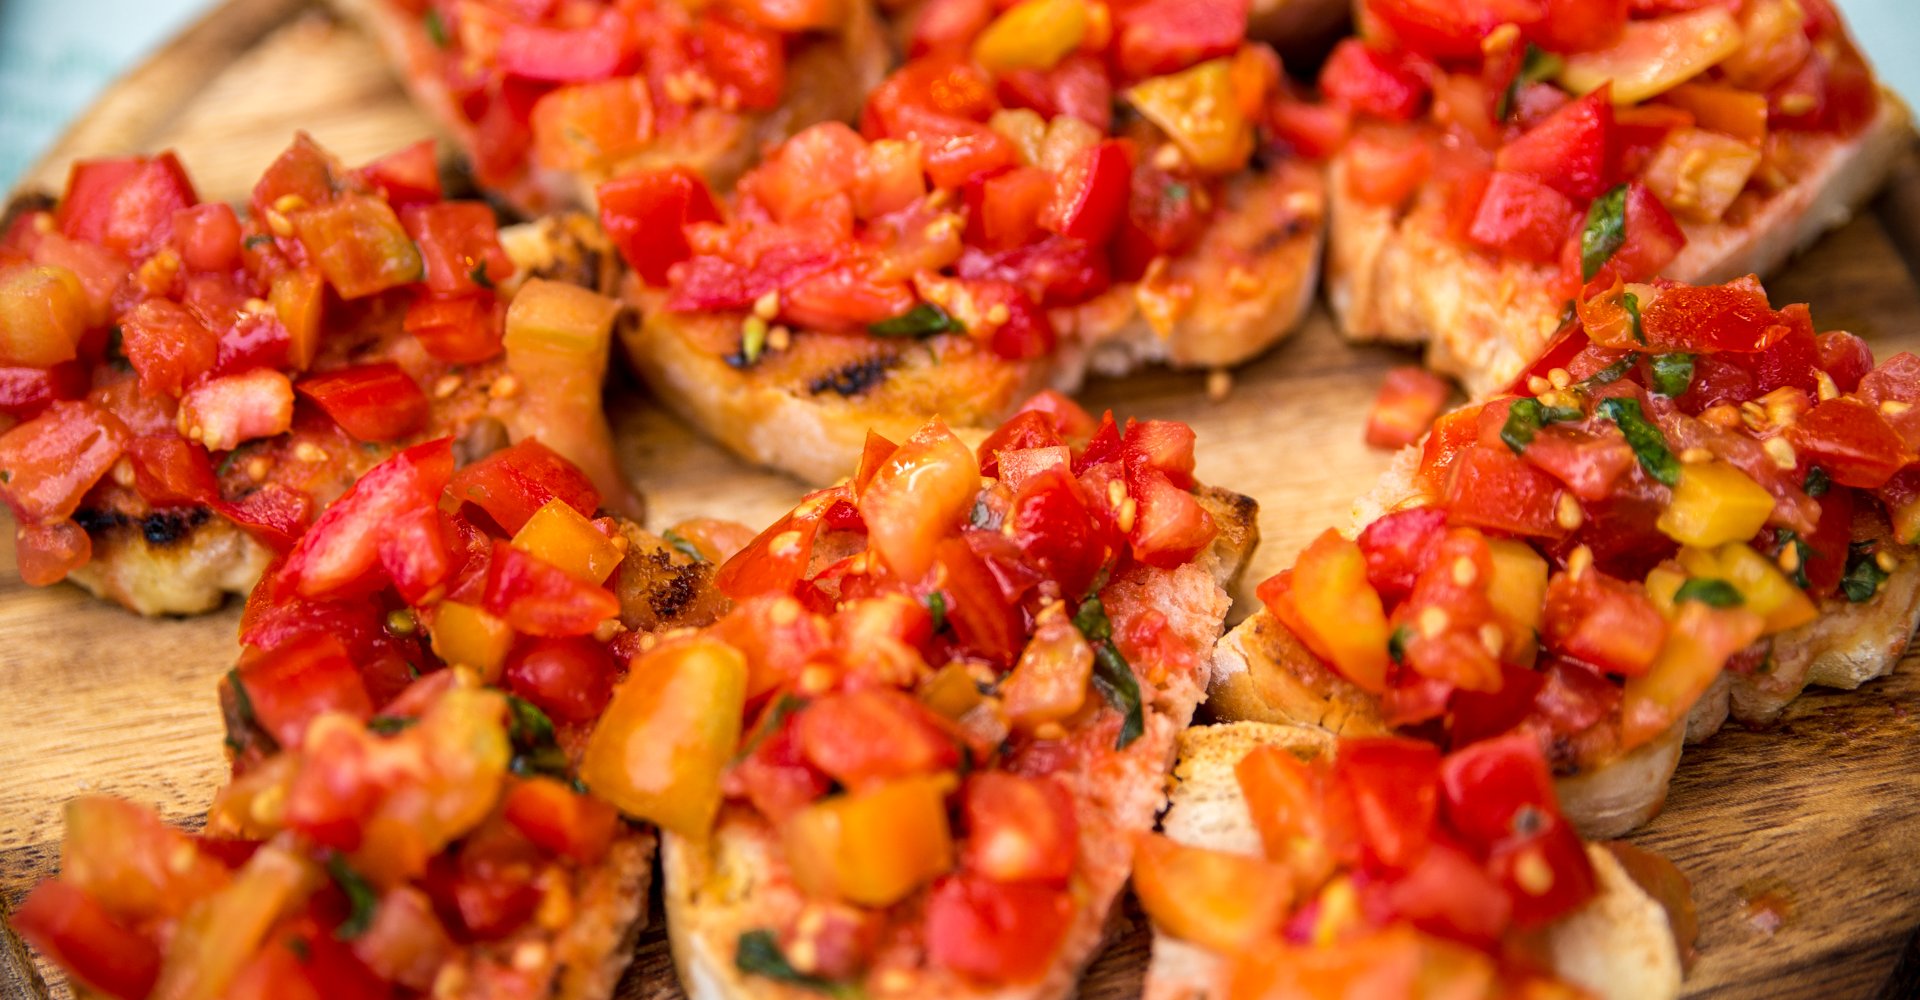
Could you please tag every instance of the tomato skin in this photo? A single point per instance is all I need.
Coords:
(956, 150)
(376, 402)
(1520, 216)
(1397, 548)
(541, 599)
(570, 678)
(407, 176)
(1493, 488)
(86, 206)
(1730, 317)
(514, 482)
(1077, 86)
(564, 55)
(871, 736)
(1844, 357)
(948, 26)
(1442, 29)
(1852, 441)
(645, 215)
(82, 938)
(387, 522)
(1572, 151)
(291, 685)
(462, 331)
(1368, 81)
(1003, 211)
(25, 392)
(920, 494)
(1164, 36)
(1579, 25)
(1019, 829)
(994, 932)
(1409, 399)
(746, 58)
(208, 236)
(1602, 621)
(1488, 786)
(459, 246)
(1394, 784)
(52, 461)
(170, 471)
(1447, 893)
(561, 820)
(1555, 848)
(1053, 527)
(167, 346)
(1090, 195)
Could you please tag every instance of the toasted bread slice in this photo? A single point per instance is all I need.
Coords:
(806, 409)
(827, 78)
(735, 881)
(1402, 279)
(1620, 945)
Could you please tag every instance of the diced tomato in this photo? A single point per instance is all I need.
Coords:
(944, 84)
(645, 215)
(1077, 86)
(983, 614)
(1394, 785)
(1520, 216)
(1051, 524)
(1327, 602)
(539, 598)
(569, 678)
(1004, 210)
(461, 331)
(1169, 526)
(1579, 25)
(747, 60)
(1599, 620)
(1446, 29)
(140, 218)
(459, 245)
(274, 514)
(1851, 440)
(376, 402)
(1019, 829)
(389, 522)
(1219, 900)
(24, 392)
(1653, 240)
(1572, 151)
(1730, 317)
(291, 685)
(1163, 36)
(409, 176)
(48, 464)
(1369, 81)
(1492, 488)
(1844, 357)
(594, 126)
(1315, 131)
(47, 552)
(1498, 788)
(208, 237)
(512, 483)
(995, 932)
(565, 55)
(1397, 548)
(334, 789)
(1090, 194)
(87, 206)
(302, 175)
(167, 346)
(1384, 167)
(1448, 894)
(868, 737)
(1547, 874)
(1480, 715)
(561, 820)
(948, 26)
(922, 492)
(81, 937)
(1410, 398)
(169, 471)
(359, 244)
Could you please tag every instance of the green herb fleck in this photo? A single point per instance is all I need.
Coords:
(436, 28)
(242, 703)
(361, 899)
(117, 349)
(1611, 373)
(758, 954)
(1817, 482)
(1672, 373)
(1526, 418)
(301, 950)
(1864, 575)
(256, 241)
(685, 547)
(1397, 643)
(787, 705)
(923, 320)
(1631, 303)
(479, 275)
(1176, 191)
(937, 607)
(1803, 553)
(1112, 675)
(1537, 65)
(1713, 593)
(387, 725)
(1606, 231)
(1649, 445)
(6, 475)
(536, 752)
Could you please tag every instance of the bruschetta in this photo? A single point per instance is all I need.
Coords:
(405, 817)
(995, 227)
(910, 761)
(1491, 164)
(1297, 864)
(1693, 506)
(548, 100)
(181, 389)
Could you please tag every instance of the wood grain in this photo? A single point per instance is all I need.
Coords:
(1823, 811)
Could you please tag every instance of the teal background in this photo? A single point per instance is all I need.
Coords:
(55, 55)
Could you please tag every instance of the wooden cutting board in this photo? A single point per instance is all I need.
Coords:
(1802, 841)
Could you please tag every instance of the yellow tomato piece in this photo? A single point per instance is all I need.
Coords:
(1339, 606)
(551, 320)
(1200, 111)
(556, 342)
(43, 313)
(359, 244)
(1662, 583)
(659, 749)
(1517, 588)
(921, 493)
(564, 537)
(1219, 900)
(1713, 504)
(130, 862)
(1698, 173)
(465, 635)
(297, 297)
(1765, 589)
(1696, 650)
(1655, 55)
(463, 743)
(220, 933)
(951, 691)
(872, 847)
(1050, 681)
(1032, 34)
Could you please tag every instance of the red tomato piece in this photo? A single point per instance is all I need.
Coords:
(409, 176)
(1164, 36)
(874, 735)
(1169, 525)
(1478, 715)
(955, 150)
(565, 55)
(1441, 29)
(170, 471)
(462, 331)
(292, 684)
(1522, 217)
(1851, 440)
(747, 60)
(1398, 548)
(1497, 789)
(1019, 829)
(512, 483)
(1090, 195)
(1410, 398)
(1026, 430)
(1492, 488)
(25, 392)
(141, 216)
(46, 553)
(1447, 893)
(982, 613)
(1845, 358)
(560, 820)
(1386, 167)
(333, 791)
(208, 237)
(1547, 875)
(1579, 25)
(82, 938)
(1653, 240)
(1394, 784)
(86, 205)
(994, 932)
(943, 83)
(1730, 317)
(274, 514)
(167, 346)
(389, 521)
(459, 245)
(376, 402)
(569, 678)
(948, 26)
(646, 214)
(1077, 86)
(539, 598)
(1572, 151)
(1052, 526)
(48, 464)
(1369, 81)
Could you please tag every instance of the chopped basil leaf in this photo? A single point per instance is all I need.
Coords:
(479, 275)
(1802, 553)
(361, 899)
(1538, 64)
(1176, 191)
(242, 702)
(923, 320)
(1611, 373)
(1526, 418)
(387, 725)
(1672, 373)
(1631, 303)
(256, 241)
(1112, 676)
(758, 954)
(1397, 643)
(436, 28)
(6, 475)
(301, 950)
(1649, 445)
(1606, 230)
(686, 548)
(1713, 593)
(1817, 482)
(937, 607)
(787, 705)
(535, 749)
(1863, 578)
(116, 349)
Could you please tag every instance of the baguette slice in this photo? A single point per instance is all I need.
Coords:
(1620, 945)
(806, 409)
(735, 880)
(1402, 279)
